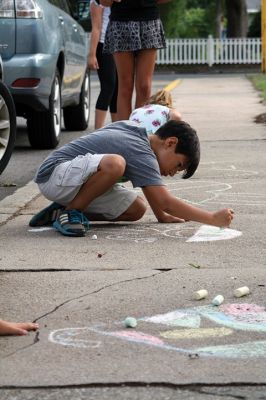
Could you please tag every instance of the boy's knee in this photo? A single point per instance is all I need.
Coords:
(113, 164)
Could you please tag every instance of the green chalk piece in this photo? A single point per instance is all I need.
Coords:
(130, 322)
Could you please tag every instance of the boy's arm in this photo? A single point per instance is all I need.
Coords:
(163, 203)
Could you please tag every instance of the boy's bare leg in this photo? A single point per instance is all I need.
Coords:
(16, 328)
(111, 168)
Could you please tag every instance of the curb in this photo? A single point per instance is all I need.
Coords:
(11, 205)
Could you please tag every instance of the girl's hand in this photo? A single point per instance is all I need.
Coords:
(223, 218)
(93, 63)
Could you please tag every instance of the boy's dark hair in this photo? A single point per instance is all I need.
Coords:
(188, 142)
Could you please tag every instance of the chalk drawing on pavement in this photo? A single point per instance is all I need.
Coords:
(70, 337)
(198, 192)
(230, 318)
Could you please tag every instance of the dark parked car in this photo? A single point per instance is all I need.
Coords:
(44, 50)
(7, 122)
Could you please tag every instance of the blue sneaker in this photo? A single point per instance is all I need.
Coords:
(46, 216)
(71, 223)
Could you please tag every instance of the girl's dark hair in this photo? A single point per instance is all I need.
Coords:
(188, 143)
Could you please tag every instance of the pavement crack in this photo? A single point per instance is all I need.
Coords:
(94, 292)
(40, 270)
(36, 337)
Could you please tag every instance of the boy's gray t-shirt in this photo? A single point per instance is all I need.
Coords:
(124, 138)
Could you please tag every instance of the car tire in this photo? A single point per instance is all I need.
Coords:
(7, 126)
(76, 118)
(44, 128)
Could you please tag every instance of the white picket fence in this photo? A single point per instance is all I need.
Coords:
(211, 51)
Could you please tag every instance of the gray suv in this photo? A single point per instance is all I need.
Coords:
(7, 122)
(44, 50)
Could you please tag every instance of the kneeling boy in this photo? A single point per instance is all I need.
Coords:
(82, 178)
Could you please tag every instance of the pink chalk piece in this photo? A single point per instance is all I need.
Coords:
(139, 337)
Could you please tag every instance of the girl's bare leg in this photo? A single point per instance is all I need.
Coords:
(145, 63)
(114, 117)
(125, 66)
(100, 116)
(16, 328)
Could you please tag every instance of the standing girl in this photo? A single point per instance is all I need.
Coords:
(133, 36)
(103, 63)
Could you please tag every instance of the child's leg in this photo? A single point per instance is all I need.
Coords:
(145, 63)
(125, 64)
(98, 196)
(125, 208)
(16, 328)
(110, 169)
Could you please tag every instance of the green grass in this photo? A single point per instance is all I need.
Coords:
(259, 82)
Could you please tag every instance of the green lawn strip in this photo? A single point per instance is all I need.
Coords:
(259, 82)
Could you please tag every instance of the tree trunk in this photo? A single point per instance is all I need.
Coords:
(237, 20)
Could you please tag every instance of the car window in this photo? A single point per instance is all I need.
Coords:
(56, 3)
(63, 4)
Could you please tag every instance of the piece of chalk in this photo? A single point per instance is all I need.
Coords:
(200, 294)
(242, 291)
(217, 300)
(94, 237)
(130, 322)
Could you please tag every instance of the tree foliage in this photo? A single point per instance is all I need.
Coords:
(200, 18)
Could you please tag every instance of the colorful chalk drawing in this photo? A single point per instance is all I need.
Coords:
(232, 317)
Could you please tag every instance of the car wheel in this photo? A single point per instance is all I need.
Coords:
(44, 128)
(77, 118)
(7, 126)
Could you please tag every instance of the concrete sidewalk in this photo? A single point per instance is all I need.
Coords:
(80, 290)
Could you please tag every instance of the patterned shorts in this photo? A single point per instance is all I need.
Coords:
(134, 36)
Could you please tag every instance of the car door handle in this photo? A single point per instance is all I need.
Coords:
(61, 19)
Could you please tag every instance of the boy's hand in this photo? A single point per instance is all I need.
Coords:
(223, 218)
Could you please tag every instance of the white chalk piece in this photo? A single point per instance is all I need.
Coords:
(217, 300)
(130, 322)
(200, 294)
(94, 237)
(242, 291)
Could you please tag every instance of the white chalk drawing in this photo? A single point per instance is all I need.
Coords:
(150, 331)
(69, 337)
(41, 229)
(197, 192)
(207, 233)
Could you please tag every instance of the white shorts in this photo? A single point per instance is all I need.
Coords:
(68, 177)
